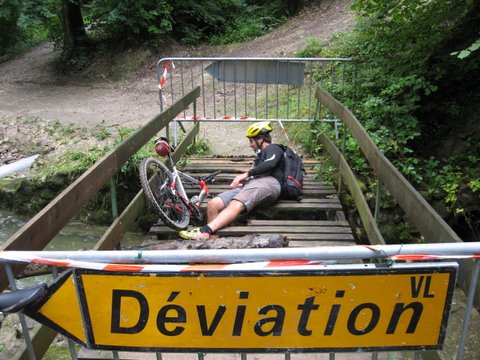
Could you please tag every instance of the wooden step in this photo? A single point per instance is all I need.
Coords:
(311, 204)
(295, 230)
(163, 232)
(307, 192)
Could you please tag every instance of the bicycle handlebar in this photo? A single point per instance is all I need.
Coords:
(211, 177)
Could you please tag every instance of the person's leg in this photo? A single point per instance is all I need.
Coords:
(223, 218)
(227, 215)
(214, 207)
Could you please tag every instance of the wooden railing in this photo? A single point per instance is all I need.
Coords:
(43, 227)
(419, 213)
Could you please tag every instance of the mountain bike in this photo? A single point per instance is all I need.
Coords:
(164, 189)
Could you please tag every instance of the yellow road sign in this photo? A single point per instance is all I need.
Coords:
(328, 309)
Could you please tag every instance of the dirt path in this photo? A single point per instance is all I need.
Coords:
(30, 87)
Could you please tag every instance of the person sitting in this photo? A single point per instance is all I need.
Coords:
(258, 186)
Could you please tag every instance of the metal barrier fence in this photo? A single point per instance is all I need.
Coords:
(371, 258)
(250, 89)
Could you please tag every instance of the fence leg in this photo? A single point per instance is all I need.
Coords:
(468, 310)
(23, 322)
(378, 198)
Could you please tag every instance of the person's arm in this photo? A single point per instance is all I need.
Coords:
(238, 180)
(274, 155)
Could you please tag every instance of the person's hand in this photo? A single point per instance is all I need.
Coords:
(238, 181)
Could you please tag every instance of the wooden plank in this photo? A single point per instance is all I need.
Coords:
(255, 222)
(227, 167)
(310, 243)
(112, 237)
(308, 186)
(200, 159)
(305, 206)
(299, 206)
(308, 232)
(270, 228)
(41, 338)
(417, 209)
(211, 168)
(217, 189)
(235, 230)
(291, 236)
(182, 147)
(320, 237)
(373, 233)
(226, 178)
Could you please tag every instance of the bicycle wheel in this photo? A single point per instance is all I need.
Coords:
(156, 182)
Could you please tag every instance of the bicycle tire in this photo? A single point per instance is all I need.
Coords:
(156, 182)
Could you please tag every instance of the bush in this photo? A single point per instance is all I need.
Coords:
(412, 96)
(130, 19)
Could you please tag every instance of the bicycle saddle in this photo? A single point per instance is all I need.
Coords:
(163, 147)
(16, 301)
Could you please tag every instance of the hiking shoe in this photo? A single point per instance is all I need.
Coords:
(194, 234)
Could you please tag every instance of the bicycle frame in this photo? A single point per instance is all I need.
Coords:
(178, 188)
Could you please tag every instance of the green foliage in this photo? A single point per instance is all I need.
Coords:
(22, 25)
(194, 21)
(311, 50)
(130, 168)
(129, 19)
(466, 53)
(326, 170)
(200, 147)
(403, 51)
(410, 94)
(9, 30)
(249, 22)
(101, 133)
(27, 22)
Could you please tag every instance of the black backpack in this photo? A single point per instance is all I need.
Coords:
(293, 172)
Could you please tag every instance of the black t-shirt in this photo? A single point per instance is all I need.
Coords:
(269, 161)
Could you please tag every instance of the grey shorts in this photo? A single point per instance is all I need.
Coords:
(260, 191)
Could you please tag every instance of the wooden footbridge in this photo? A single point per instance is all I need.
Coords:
(317, 220)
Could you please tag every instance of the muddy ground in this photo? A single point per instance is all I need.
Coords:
(32, 89)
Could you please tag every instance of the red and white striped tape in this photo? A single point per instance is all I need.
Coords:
(226, 117)
(420, 257)
(167, 72)
(139, 268)
(24, 256)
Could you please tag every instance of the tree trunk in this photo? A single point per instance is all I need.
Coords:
(244, 242)
(74, 33)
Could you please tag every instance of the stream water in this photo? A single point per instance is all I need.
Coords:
(74, 236)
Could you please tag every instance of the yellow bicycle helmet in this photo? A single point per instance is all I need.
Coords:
(259, 128)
